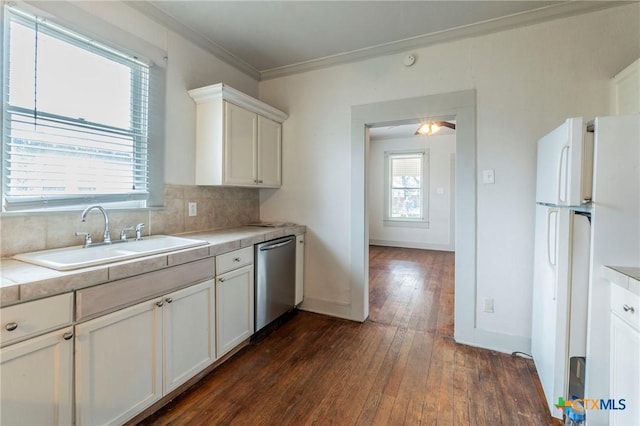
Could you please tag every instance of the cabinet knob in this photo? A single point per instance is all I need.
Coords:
(221, 280)
(628, 308)
(168, 300)
(236, 259)
(260, 181)
(67, 336)
(11, 326)
(159, 303)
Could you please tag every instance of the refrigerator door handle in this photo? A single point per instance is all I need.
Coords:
(552, 259)
(563, 165)
(553, 245)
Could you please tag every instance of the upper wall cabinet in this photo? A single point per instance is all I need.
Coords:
(238, 139)
(625, 90)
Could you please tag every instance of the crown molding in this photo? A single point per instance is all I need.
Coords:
(157, 15)
(547, 13)
(221, 91)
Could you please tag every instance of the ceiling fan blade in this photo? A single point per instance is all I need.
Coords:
(447, 124)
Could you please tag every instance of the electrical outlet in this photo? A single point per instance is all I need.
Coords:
(193, 209)
(488, 305)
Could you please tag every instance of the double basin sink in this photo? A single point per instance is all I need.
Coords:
(69, 258)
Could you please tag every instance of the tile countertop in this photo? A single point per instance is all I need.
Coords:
(20, 281)
(625, 277)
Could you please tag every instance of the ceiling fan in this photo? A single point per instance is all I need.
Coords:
(432, 127)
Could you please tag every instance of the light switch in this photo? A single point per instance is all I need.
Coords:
(440, 191)
(488, 176)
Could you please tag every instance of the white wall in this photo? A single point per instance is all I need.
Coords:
(527, 81)
(438, 235)
(188, 67)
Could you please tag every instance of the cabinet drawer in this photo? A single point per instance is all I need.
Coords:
(234, 260)
(626, 305)
(33, 318)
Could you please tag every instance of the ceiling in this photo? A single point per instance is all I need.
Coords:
(405, 131)
(267, 39)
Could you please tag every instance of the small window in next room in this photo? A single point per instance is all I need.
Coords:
(76, 119)
(405, 185)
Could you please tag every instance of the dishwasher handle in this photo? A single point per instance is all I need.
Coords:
(275, 246)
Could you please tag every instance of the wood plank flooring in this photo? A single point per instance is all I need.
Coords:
(399, 367)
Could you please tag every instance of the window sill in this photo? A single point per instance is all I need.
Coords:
(408, 223)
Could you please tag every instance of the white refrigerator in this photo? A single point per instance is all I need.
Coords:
(561, 255)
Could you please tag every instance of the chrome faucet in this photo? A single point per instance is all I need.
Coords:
(107, 235)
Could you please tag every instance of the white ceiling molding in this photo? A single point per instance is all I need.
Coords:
(152, 12)
(499, 24)
(546, 13)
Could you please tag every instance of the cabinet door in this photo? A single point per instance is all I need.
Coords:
(234, 308)
(624, 373)
(269, 152)
(37, 379)
(299, 269)
(119, 364)
(240, 146)
(189, 327)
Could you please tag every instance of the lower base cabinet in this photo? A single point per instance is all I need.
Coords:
(129, 359)
(189, 333)
(234, 310)
(118, 364)
(624, 352)
(36, 379)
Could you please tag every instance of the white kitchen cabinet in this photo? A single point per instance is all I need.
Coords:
(129, 359)
(36, 380)
(269, 152)
(189, 333)
(36, 362)
(119, 364)
(299, 269)
(240, 146)
(624, 371)
(234, 299)
(238, 139)
(625, 90)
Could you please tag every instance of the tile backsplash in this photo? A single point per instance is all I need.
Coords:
(218, 207)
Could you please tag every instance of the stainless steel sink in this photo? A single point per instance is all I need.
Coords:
(69, 258)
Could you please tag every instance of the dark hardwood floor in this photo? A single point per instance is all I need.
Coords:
(399, 367)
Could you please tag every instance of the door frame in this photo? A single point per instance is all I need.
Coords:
(462, 105)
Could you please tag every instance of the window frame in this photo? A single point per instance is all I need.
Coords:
(423, 220)
(150, 140)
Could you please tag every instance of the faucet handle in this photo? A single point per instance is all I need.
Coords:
(139, 228)
(87, 238)
(123, 233)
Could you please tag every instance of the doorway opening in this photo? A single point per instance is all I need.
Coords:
(460, 105)
(411, 207)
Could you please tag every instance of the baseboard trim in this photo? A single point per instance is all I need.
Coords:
(495, 341)
(406, 244)
(327, 307)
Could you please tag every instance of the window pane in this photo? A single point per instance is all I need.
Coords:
(22, 63)
(94, 88)
(405, 203)
(76, 119)
(405, 172)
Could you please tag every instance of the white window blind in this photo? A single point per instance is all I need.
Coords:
(76, 119)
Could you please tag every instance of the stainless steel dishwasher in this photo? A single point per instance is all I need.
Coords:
(275, 279)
